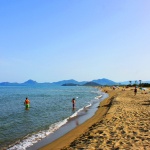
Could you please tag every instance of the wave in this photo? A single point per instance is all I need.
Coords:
(29, 140)
(32, 139)
(98, 97)
(79, 112)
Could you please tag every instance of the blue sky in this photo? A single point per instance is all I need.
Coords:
(52, 40)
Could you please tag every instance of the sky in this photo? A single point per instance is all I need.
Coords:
(54, 40)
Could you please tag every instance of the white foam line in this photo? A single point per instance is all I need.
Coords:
(98, 97)
(76, 113)
(29, 141)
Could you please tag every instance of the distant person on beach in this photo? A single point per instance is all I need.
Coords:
(135, 91)
(73, 103)
(27, 103)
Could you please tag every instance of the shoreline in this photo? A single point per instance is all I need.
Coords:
(121, 122)
(74, 133)
(73, 121)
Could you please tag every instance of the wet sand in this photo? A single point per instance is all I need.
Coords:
(72, 123)
(121, 122)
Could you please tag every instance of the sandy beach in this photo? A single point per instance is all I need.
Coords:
(121, 122)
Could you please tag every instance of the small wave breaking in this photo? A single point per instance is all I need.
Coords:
(30, 140)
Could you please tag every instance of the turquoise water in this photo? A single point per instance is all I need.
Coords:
(50, 106)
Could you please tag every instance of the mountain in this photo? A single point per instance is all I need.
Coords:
(104, 82)
(71, 81)
(30, 82)
(8, 84)
(63, 82)
(133, 82)
(91, 84)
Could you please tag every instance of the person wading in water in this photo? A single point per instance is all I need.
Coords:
(27, 103)
(73, 103)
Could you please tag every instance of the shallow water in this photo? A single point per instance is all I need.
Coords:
(50, 108)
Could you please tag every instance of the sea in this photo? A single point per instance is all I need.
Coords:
(49, 114)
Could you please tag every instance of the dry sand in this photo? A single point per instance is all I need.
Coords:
(122, 122)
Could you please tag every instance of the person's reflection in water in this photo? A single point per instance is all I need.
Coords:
(77, 122)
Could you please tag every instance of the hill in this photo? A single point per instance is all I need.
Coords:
(70, 82)
(91, 84)
(104, 82)
(30, 82)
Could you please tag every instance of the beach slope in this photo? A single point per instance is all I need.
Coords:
(121, 122)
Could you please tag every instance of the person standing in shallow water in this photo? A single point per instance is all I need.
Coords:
(27, 103)
(135, 91)
(73, 103)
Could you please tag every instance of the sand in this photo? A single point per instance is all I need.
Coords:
(122, 122)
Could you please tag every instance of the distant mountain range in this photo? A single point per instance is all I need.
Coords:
(71, 82)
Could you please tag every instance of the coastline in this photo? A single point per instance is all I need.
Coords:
(74, 133)
(53, 115)
(121, 122)
(75, 120)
